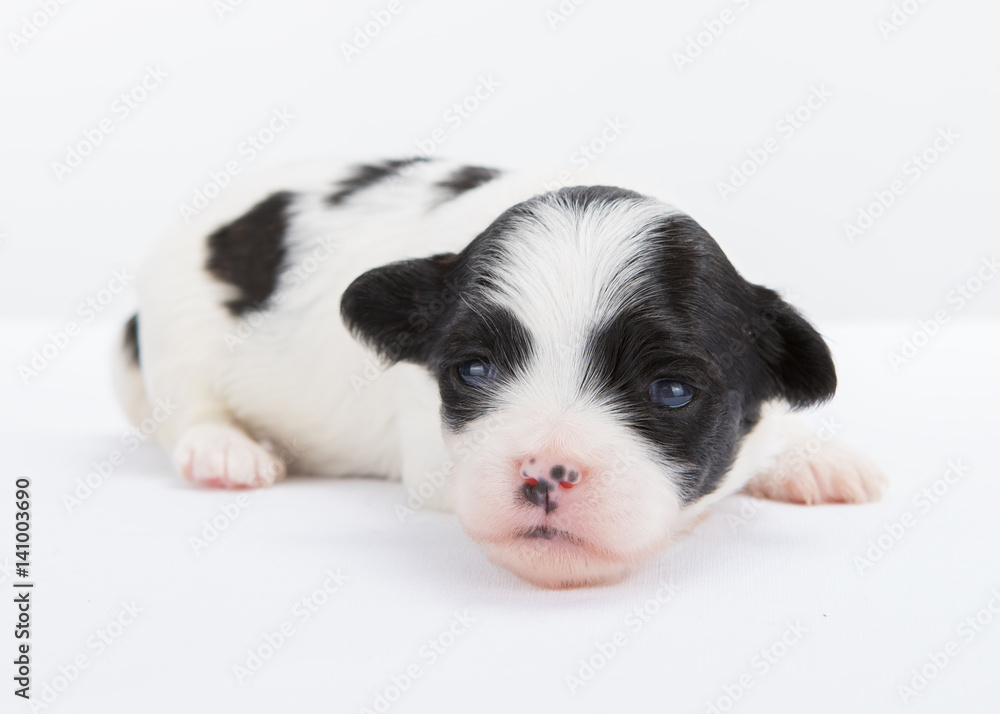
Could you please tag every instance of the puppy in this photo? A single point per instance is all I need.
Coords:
(577, 373)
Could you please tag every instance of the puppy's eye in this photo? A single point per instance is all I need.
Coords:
(477, 373)
(670, 393)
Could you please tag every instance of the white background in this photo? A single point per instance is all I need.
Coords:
(687, 127)
(892, 92)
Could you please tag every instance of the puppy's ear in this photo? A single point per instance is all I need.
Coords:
(397, 308)
(797, 362)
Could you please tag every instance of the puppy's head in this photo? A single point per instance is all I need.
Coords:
(599, 361)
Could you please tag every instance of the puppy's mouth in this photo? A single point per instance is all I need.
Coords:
(546, 532)
(549, 533)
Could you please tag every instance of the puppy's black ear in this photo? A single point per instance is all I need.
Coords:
(396, 308)
(797, 362)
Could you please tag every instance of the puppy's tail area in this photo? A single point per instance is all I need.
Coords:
(127, 374)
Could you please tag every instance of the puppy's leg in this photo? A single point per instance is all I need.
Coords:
(814, 467)
(185, 365)
(209, 447)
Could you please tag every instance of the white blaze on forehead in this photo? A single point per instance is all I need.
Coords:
(567, 270)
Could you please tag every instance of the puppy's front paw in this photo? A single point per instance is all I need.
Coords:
(833, 473)
(222, 456)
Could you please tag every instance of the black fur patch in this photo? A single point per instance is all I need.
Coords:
(466, 179)
(248, 253)
(795, 355)
(640, 347)
(580, 198)
(737, 344)
(490, 333)
(131, 339)
(366, 175)
(397, 309)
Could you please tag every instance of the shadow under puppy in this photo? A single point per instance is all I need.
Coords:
(578, 374)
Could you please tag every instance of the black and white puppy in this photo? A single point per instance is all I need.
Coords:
(578, 373)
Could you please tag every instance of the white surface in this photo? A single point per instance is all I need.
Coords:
(738, 585)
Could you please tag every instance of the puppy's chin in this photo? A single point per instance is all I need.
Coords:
(557, 560)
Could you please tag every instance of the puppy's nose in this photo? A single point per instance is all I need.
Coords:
(539, 493)
(544, 473)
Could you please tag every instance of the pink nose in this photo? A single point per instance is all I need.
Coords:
(550, 471)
